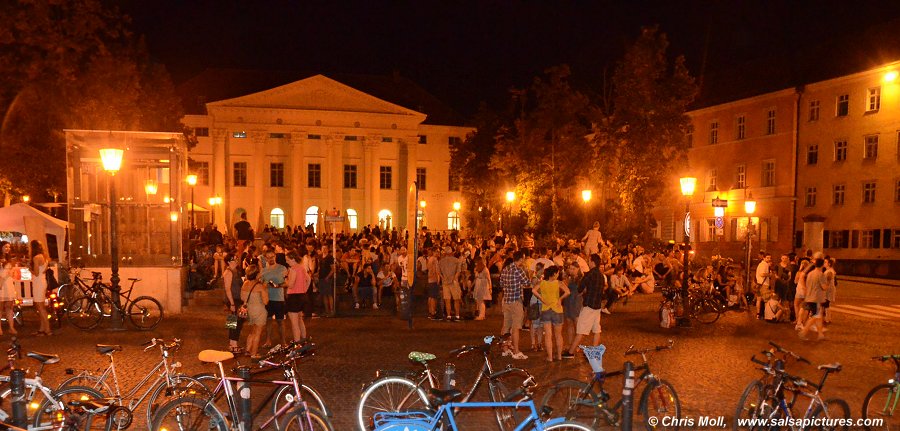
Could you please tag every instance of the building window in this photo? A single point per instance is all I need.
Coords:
(714, 132)
(454, 141)
(741, 127)
(276, 218)
(421, 177)
(352, 219)
(314, 175)
(810, 196)
(313, 136)
(813, 110)
(867, 239)
(897, 192)
(387, 139)
(423, 139)
(869, 192)
(711, 180)
(240, 135)
(768, 173)
(871, 152)
(710, 229)
(202, 169)
(279, 135)
(276, 175)
(351, 138)
(895, 241)
(201, 131)
(812, 154)
(838, 194)
(240, 174)
(453, 220)
(873, 97)
(840, 151)
(312, 218)
(843, 105)
(741, 177)
(837, 239)
(770, 122)
(453, 182)
(386, 178)
(350, 176)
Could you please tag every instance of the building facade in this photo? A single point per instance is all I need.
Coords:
(288, 154)
(848, 181)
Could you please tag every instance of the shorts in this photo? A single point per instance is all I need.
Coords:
(513, 316)
(275, 309)
(536, 323)
(434, 290)
(299, 303)
(588, 321)
(451, 291)
(552, 317)
(813, 308)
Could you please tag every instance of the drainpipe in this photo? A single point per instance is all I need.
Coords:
(797, 111)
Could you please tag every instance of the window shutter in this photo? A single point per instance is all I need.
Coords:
(886, 239)
(825, 237)
(876, 238)
(854, 239)
(845, 243)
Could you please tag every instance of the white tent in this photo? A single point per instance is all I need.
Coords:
(24, 218)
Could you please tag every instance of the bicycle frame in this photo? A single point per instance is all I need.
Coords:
(32, 386)
(165, 376)
(433, 421)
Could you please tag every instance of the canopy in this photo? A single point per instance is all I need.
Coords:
(24, 218)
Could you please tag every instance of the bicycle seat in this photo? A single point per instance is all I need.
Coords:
(44, 358)
(835, 367)
(421, 357)
(95, 405)
(104, 349)
(95, 274)
(214, 356)
(134, 279)
(438, 397)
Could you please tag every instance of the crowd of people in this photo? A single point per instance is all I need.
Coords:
(30, 263)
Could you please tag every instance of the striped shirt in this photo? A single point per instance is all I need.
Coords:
(591, 287)
(512, 281)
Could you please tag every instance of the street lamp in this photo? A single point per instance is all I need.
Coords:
(688, 185)
(151, 187)
(586, 196)
(112, 162)
(192, 181)
(749, 208)
(213, 202)
(510, 197)
(456, 206)
(26, 199)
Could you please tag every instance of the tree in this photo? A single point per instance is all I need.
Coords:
(470, 164)
(641, 142)
(71, 64)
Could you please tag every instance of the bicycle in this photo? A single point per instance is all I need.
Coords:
(42, 411)
(85, 312)
(280, 395)
(80, 415)
(702, 305)
(754, 399)
(394, 391)
(167, 383)
(882, 401)
(444, 418)
(588, 401)
(196, 412)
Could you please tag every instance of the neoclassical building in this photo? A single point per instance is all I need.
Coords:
(286, 154)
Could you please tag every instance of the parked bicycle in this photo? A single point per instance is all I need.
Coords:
(87, 414)
(160, 384)
(85, 312)
(397, 391)
(882, 401)
(198, 412)
(756, 398)
(589, 402)
(702, 304)
(43, 402)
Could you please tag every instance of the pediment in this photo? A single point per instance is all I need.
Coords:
(317, 93)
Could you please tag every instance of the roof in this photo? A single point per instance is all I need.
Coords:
(219, 84)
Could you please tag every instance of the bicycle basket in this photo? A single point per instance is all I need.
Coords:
(594, 356)
(386, 418)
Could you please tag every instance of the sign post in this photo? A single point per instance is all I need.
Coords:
(334, 217)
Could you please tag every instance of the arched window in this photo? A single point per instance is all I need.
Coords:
(276, 218)
(312, 218)
(453, 220)
(385, 219)
(352, 218)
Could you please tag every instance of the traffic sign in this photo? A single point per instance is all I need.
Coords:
(720, 223)
(687, 225)
(720, 203)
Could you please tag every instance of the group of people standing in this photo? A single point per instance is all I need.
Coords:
(37, 265)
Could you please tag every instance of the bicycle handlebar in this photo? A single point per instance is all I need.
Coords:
(632, 351)
(796, 357)
(489, 341)
(174, 344)
(886, 358)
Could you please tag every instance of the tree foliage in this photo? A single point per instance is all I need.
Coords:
(71, 64)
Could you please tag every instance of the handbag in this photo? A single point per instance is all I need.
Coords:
(243, 312)
(231, 321)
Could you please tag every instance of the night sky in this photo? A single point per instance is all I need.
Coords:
(465, 52)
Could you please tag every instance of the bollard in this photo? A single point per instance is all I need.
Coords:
(628, 397)
(243, 389)
(17, 386)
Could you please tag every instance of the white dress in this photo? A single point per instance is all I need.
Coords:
(8, 289)
(39, 284)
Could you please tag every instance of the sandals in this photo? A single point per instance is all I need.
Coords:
(41, 333)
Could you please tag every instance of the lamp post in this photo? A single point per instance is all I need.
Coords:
(456, 207)
(213, 202)
(112, 162)
(749, 208)
(586, 198)
(688, 184)
(510, 197)
(192, 181)
(26, 199)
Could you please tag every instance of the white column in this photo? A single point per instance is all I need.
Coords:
(369, 174)
(219, 185)
(258, 178)
(334, 171)
(295, 175)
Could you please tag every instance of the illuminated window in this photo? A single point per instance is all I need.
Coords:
(843, 105)
(352, 218)
(240, 135)
(276, 218)
(873, 97)
(312, 218)
(385, 219)
(453, 220)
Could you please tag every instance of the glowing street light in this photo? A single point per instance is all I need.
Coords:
(456, 206)
(422, 204)
(688, 185)
(192, 181)
(719, 211)
(26, 199)
(173, 216)
(151, 187)
(890, 76)
(510, 196)
(112, 163)
(749, 208)
(586, 195)
(213, 202)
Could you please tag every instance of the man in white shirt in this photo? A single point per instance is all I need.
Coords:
(762, 283)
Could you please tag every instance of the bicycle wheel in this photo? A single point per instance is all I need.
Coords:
(568, 426)
(84, 314)
(46, 413)
(305, 419)
(189, 414)
(573, 400)
(145, 312)
(705, 311)
(834, 408)
(507, 417)
(751, 404)
(89, 381)
(659, 399)
(285, 395)
(388, 394)
(182, 386)
(883, 402)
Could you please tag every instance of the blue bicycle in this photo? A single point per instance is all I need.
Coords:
(444, 418)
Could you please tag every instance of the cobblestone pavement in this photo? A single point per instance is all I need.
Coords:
(709, 365)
